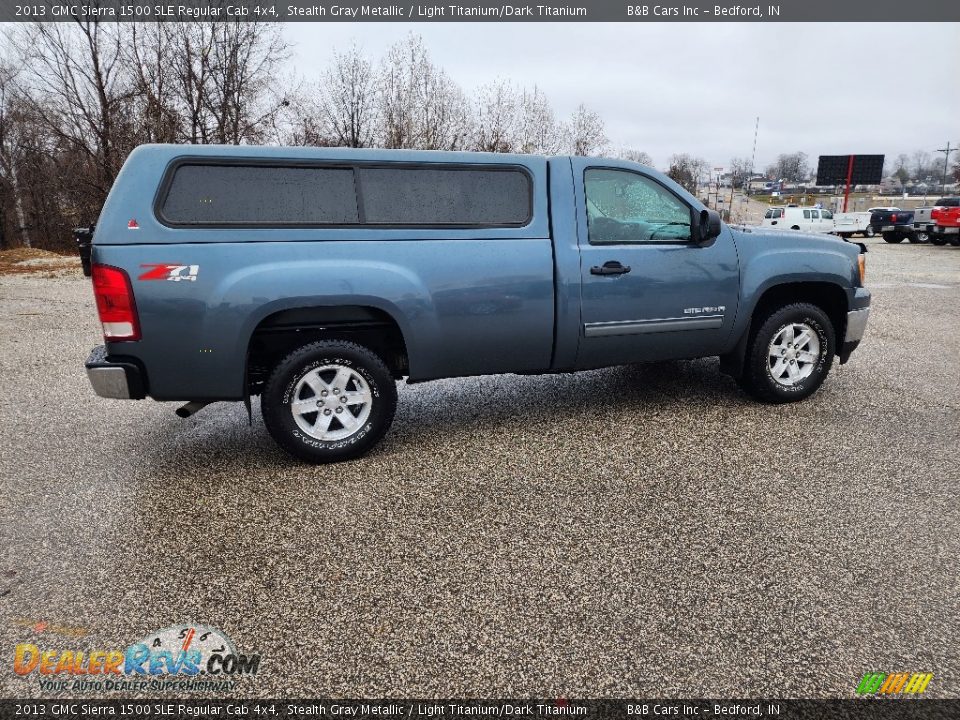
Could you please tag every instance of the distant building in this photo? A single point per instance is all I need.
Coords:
(759, 183)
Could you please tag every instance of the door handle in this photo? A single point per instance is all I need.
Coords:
(611, 267)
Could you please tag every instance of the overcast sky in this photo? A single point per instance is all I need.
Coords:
(825, 89)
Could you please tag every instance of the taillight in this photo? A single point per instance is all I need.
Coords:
(115, 305)
(893, 217)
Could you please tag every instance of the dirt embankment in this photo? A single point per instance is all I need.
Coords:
(33, 261)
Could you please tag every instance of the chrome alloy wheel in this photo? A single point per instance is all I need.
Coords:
(794, 353)
(331, 402)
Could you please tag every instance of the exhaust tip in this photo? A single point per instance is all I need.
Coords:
(191, 408)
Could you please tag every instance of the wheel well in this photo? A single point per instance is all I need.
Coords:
(828, 297)
(277, 335)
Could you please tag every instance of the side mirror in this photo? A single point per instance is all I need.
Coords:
(706, 227)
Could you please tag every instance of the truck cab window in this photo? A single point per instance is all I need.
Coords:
(625, 207)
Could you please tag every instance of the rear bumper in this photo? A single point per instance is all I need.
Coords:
(113, 377)
(947, 230)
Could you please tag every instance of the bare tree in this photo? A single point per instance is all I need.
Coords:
(77, 86)
(221, 79)
(149, 55)
(11, 155)
(419, 106)
(538, 132)
(739, 172)
(498, 118)
(585, 132)
(924, 167)
(687, 170)
(793, 167)
(637, 156)
(347, 109)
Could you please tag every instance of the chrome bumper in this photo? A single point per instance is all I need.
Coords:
(856, 325)
(112, 378)
(109, 382)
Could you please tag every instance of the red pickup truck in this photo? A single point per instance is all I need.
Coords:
(946, 225)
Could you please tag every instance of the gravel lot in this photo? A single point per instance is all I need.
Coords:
(637, 531)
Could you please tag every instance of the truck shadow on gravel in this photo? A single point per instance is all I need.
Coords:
(473, 410)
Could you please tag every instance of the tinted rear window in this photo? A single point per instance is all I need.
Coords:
(423, 196)
(445, 196)
(259, 195)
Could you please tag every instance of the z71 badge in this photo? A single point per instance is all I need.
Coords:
(176, 273)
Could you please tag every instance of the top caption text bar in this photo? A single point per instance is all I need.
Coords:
(480, 11)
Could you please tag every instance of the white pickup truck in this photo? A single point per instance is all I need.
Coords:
(849, 224)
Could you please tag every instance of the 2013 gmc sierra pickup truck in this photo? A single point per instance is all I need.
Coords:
(315, 278)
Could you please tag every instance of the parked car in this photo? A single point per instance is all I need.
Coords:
(894, 224)
(924, 223)
(317, 277)
(793, 217)
(848, 224)
(947, 224)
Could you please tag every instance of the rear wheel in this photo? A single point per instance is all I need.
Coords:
(892, 237)
(328, 401)
(869, 232)
(938, 239)
(790, 354)
(955, 240)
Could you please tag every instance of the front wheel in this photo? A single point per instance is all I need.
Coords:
(892, 237)
(790, 354)
(328, 401)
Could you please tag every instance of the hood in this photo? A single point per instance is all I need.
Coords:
(793, 240)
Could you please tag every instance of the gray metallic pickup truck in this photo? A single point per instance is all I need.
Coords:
(316, 278)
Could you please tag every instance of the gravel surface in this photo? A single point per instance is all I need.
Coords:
(636, 531)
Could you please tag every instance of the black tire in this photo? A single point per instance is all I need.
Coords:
(938, 239)
(869, 232)
(284, 387)
(795, 227)
(892, 237)
(759, 378)
(845, 236)
(955, 240)
(919, 237)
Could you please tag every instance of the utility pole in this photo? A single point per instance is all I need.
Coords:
(946, 158)
(753, 158)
